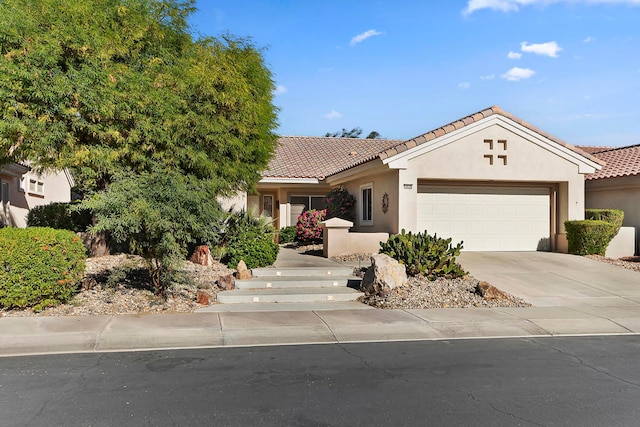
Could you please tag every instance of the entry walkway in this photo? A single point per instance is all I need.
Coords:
(288, 258)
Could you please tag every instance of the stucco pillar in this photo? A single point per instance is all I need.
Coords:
(407, 201)
(335, 235)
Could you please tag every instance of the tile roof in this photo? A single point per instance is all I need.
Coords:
(465, 121)
(593, 149)
(319, 157)
(623, 161)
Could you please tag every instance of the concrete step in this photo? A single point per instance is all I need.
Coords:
(283, 306)
(280, 282)
(302, 272)
(295, 295)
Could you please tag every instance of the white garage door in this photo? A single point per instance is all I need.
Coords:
(487, 218)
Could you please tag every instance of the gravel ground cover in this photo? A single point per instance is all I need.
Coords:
(630, 263)
(118, 284)
(421, 292)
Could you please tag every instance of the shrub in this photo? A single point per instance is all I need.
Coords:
(39, 267)
(158, 215)
(249, 237)
(612, 216)
(61, 216)
(308, 228)
(421, 253)
(287, 234)
(589, 237)
(341, 204)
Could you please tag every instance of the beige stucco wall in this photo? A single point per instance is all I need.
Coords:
(464, 159)
(617, 193)
(385, 181)
(56, 189)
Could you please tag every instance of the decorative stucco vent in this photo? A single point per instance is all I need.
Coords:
(501, 146)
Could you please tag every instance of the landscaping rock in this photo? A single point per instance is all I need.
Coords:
(384, 275)
(202, 297)
(226, 282)
(202, 256)
(490, 292)
(242, 272)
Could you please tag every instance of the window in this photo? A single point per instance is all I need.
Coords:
(32, 185)
(267, 206)
(366, 204)
(5, 192)
(300, 204)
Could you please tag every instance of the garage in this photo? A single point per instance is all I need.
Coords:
(487, 218)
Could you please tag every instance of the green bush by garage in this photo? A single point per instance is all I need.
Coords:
(593, 235)
(39, 267)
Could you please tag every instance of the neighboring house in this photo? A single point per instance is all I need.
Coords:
(617, 184)
(490, 179)
(23, 189)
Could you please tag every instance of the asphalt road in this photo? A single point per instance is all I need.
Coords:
(585, 381)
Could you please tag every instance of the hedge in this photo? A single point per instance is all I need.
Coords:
(60, 215)
(612, 216)
(589, 237)
(39, 267)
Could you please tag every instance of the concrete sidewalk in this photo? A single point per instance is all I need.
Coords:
(42, 335)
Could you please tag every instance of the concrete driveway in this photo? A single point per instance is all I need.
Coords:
(547, 279)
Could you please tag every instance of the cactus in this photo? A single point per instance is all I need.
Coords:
(423, 254)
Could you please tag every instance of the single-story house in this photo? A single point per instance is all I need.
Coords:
(489, 179)
(617, 184)
(24, 189)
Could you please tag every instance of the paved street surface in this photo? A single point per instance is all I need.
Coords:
(578, 381)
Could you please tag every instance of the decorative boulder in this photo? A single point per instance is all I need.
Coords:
(384, 275)
(226, 283)
(242, 272)
(202, 297)
(202, 256)
(489, 292)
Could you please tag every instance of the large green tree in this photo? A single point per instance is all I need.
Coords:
(104, 86)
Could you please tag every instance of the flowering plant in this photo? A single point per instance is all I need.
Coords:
(341, 204)
(308, 228)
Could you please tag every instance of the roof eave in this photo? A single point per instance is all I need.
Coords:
(288, 180)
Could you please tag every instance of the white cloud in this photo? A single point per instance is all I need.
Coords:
(514, 55)
(550, 49)
(464, 85)
(514, 5)
(499, 5)
(332, 115)
(488, 77)
(280, 89)
(589, 39)
(363, 36)
(517, 73)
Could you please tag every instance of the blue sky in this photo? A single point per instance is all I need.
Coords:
(570, 67)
